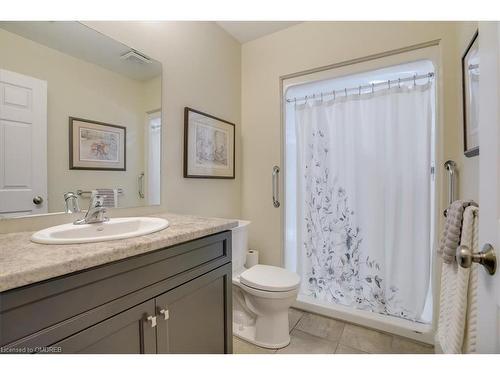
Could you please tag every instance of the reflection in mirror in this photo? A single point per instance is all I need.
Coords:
(80, 113)
(471, 73)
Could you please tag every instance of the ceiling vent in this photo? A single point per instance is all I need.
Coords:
(135, 57)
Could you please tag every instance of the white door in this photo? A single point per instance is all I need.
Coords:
(23, 145)
(489, 185)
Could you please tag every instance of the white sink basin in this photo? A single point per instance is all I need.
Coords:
(114, 229)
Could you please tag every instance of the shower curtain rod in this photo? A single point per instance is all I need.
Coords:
(372, 86)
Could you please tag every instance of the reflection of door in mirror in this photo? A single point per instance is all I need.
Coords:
(23, 151)
(153, 157)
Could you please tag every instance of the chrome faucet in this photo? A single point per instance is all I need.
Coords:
(95, 213)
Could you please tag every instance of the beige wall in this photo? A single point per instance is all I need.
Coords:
(311, 45)
(81, 89)
(201, 69)
(468, 187)
(151, 94)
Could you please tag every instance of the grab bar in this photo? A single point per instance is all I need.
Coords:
(276, 187)
(140, 183)
(451, 167)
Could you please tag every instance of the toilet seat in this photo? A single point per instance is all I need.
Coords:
(266, 294)
(269, 279)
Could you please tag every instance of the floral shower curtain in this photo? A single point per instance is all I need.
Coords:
(364, 200)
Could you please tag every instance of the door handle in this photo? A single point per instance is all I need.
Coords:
(276, 186)
(486, 257)
(38, 200)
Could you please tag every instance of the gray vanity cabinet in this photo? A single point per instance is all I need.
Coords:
(172, 300)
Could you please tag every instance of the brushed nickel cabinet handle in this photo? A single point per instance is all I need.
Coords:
(152, 319)
(165, 313)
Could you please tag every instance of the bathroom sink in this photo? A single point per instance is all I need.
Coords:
(114, 229)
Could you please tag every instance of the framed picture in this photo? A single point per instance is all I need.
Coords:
(208, 146)
(470, 94)
(96, 145)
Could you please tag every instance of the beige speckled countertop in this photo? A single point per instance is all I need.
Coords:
(23, 262)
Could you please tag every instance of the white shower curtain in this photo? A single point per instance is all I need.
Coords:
(364, 200)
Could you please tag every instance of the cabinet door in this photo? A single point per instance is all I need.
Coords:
(196, 317)
(129, 332)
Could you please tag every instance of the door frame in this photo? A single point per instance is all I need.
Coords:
(488, 293)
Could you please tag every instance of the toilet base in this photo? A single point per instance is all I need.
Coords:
(247, 333)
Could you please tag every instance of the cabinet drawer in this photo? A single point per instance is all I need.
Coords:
(29, 309)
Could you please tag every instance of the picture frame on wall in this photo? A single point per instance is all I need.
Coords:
(470, 95)
(95, 145)
(209, 146)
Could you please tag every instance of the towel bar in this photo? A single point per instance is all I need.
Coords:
(486, 257)
(87, 192)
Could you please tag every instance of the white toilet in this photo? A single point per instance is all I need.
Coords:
(262, 296)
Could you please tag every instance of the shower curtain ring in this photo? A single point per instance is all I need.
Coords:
(414, 80)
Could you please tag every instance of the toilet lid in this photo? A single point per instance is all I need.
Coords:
(270, 278)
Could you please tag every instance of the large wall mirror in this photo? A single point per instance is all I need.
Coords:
(79, 113)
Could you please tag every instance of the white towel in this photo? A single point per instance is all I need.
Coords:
(470, 237)
(458, 301)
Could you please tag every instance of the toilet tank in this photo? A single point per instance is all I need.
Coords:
(240, 244)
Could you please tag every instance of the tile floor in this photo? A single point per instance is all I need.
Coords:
(315, 334)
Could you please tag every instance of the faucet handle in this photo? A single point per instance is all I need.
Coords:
(98, 201)
(71, 204)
